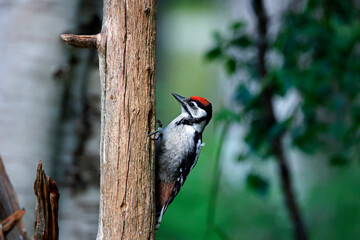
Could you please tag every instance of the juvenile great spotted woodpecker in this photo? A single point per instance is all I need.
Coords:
(177, 149)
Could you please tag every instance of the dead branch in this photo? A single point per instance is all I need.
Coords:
(81, 41)
(46, 212)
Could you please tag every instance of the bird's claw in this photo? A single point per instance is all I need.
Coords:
(158, 132)
(159, 122)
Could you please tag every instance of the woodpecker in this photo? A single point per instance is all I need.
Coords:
(177, 149)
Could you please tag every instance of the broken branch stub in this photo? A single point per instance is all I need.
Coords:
(46, 212)
(81, 41)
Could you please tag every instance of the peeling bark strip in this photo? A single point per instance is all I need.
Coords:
(10, 213)
(126, 47)
(46, 212)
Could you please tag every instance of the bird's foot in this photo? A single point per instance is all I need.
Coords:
(159, 122)
(158, 132)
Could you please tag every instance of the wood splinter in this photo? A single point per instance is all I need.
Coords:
(46, 212)
(81, 41)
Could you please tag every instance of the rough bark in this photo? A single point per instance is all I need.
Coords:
(46, 212)
(126, 48)
(127, 64)
(10, 213)
(276, 145)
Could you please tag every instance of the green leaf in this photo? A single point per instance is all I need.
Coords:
(230, 66)
(338, 160)
(242, 157)
(256, 139)
(213, 53)
(237, 25)
(279, 81)
(218, 38)
(279, 128)
(243, 95)
(306, 142)
(257, 183)
(242, 41)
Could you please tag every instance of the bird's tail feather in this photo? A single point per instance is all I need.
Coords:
(159, 217)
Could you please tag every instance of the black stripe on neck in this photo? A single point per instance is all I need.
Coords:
(187, 110)
(191, 121)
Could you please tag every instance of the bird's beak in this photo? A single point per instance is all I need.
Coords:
(180, 99)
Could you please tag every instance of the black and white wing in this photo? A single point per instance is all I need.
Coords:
(185, 167)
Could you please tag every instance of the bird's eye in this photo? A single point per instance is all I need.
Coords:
(191, 104)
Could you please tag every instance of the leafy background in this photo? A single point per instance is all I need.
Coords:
(312, 61)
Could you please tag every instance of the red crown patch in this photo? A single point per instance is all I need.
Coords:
(200, 99)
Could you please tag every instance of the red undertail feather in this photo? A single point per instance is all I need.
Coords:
(164, 193)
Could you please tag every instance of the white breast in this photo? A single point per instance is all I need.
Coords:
(177, 140)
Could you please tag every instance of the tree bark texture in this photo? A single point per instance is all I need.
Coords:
(8, 206)
(46, 212)
(127, 64)
(276, 146)
(126, 47)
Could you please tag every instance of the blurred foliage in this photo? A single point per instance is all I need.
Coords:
(258, 183)
(318, 55)
(329, 197)
(185, 5)
(322, 63)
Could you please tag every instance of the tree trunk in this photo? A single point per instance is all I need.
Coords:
(126, 48)
(276, 146)
(29, 95)
(127, 63)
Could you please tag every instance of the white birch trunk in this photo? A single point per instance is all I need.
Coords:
(29, 96)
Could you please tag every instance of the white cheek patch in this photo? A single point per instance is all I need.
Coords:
(197, 112)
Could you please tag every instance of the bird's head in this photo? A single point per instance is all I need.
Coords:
(196, 110)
